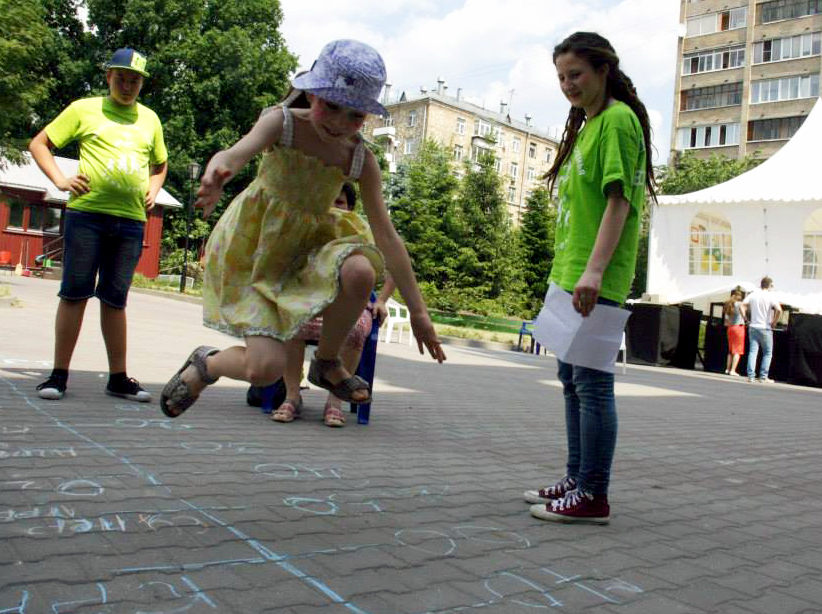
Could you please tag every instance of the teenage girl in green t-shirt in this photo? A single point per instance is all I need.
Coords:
(601, 174)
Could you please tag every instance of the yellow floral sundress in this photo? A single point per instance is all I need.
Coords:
(272, 261)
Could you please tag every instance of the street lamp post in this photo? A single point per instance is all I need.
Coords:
(193, 173)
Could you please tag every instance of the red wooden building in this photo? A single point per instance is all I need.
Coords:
(31, 217)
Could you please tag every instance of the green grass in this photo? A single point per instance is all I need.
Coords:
(141, 281)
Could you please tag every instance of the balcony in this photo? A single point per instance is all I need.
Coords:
(389, 132)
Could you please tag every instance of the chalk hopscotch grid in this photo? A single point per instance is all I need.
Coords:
(515, 575)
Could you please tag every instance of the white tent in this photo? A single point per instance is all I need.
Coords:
(767, 221)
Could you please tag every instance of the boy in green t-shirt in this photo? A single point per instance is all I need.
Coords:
(123, 164)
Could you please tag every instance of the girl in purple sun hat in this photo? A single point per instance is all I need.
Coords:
(281, 254)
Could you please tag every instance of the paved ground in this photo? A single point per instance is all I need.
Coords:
(108, 507)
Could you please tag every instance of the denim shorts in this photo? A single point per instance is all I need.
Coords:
(99, 250)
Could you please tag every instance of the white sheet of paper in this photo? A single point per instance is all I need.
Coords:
(591, 342)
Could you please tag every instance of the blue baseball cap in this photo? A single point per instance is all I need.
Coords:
(348, 73)
(129, 59)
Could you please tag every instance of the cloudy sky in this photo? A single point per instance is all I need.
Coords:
(498, 50)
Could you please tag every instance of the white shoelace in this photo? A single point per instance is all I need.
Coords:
(572, 499)
(566, 484)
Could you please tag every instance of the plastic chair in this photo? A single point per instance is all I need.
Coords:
(624, 349)
(527, 329)
(397, 316)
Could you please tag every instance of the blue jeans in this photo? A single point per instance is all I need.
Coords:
(100, 253)
(590, 424)
(757, 337)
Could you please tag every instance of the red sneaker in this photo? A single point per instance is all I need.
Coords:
(550, 493)
(576, 506)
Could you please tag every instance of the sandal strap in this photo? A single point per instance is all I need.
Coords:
(176, 393)
(198, 359)
(290, 406)
(324, 364)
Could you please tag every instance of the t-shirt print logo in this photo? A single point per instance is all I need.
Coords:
(580, 164)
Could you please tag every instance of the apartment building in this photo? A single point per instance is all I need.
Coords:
(747, 75)
(522, 154)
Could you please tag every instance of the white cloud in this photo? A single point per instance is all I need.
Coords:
(490, 47)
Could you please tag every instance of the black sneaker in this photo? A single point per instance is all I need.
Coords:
(53, 388)
(128, 389)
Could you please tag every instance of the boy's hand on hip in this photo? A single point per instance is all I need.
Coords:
(426, 336)
(586, 293)
(76, 184)
(150, 200)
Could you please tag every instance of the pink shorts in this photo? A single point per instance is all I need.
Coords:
(736, 339)
(310, 331)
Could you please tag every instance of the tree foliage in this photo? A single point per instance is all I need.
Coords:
(421, 199)
(690, 173)
(214, 66)
(24, 31)
(536, 246)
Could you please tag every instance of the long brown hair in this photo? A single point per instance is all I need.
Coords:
(598, 52)
(728, 307)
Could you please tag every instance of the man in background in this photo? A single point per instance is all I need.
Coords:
(762, 312)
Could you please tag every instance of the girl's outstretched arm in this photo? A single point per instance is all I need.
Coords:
(228, 162)
(396, 257)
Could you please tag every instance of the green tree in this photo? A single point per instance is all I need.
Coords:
(485, 261)
(24, 32)
(689, 173)
(421, 200)
(536, 246)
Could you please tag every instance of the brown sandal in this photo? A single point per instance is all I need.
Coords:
(176, 391)
(333, 416)
(345, 388)
(288, 411)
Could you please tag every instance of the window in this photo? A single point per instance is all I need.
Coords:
(515, 143)
(513, 170)
(789, 9)
(16, 211)
(478, 152)
(714, 59)
(812, 246)
(460, 125)
(532, 150)
(548, 155)
(724, 95)
(789, 48)
(458, 153)
(710, 249)
(776, 129)
(512, 194)
(732, 19)
(412, 119)
(497, 136)
(497, 164)
(785, 88)
(481, 128)
(388, 120)
(33, 218)
(530, 174)
(715, 135)
(410, 147)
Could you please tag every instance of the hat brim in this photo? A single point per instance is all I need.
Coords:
(307, 83)
(131, 68)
